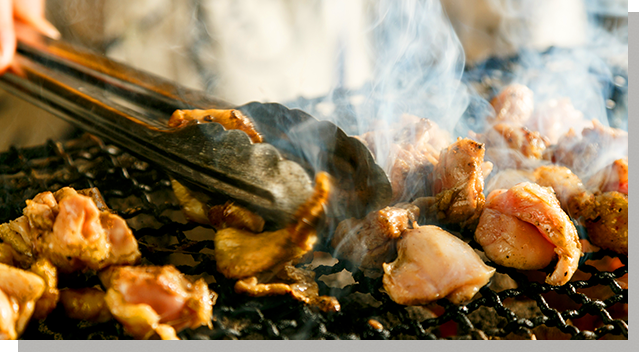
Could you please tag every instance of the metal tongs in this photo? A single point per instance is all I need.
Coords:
(131, 108)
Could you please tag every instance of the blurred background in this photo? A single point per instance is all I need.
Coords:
(282, 50)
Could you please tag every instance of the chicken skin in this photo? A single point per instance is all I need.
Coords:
(241, 253)
(434, 264)
(538, 206)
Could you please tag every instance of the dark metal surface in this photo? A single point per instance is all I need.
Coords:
(132, 109)
(590, 308)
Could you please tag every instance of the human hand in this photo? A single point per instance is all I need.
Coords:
(30, 12)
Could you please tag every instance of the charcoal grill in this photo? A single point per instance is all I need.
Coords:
(141, 193)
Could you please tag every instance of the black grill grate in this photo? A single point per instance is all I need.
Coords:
(593, 308)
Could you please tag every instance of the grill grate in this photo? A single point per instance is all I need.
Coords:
(592, 308)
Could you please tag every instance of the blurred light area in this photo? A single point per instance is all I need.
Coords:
(282, 50)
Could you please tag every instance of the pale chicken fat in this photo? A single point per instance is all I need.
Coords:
(434, 264)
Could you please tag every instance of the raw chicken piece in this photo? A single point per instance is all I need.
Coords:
(538, 206)
(19, 291)
(513, 104)
(413, 149)
(297, 282)
(156, 299)
(49, 299)
(68, 229)
(614, 177)
(434, 264)
(240, 253)
(85, 304)
(370, 242)
(458, 183)
(229, 119)
(610, 229)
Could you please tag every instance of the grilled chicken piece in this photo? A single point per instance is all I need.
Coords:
(193, 204)
(297, 282)
(610, 228)
(434, 264)
(511, 242)
(517, 137)
(49, 299)
(156, 299)
(229, 119)
(593, 149)
(370, 242)
(539, 207)
(68, 229)
(555, 117)
(85, 304)
(19, 291)
(573, 196)
(195, 207)
(604, 215)
(458, 183)
(241, 253)
(513, 104)
(413, 150)
(233, 215)
(614, 177)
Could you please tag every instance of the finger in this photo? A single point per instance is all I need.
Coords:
(32, 13)
(7, 34)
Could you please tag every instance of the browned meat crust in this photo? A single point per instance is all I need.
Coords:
(371, 241)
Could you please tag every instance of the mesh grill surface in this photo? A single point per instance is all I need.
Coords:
(592, 308)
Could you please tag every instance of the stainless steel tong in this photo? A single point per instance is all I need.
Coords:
(131, 108)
